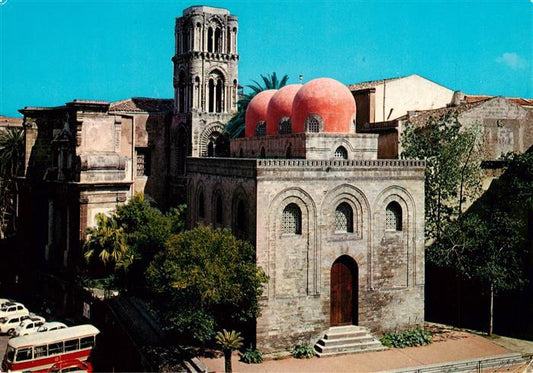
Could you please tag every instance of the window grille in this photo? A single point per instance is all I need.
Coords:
(341, 153)
(143, 162)
(393, 217)
(284, 126)
(313, 123)
(260, 128)
(292, 219)
(344, 218)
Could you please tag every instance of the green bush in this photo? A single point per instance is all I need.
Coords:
(407, 338)
(303, 351)
(251, 356)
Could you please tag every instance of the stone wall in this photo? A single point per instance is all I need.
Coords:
(296, 302)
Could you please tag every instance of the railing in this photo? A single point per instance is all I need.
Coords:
(479, 365)
(339, 163)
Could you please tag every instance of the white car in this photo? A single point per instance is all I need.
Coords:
(49, 326)
(4, 301)
(9, 323)
(29, 326)
(13, 309)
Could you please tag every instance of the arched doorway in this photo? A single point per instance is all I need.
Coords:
(344, 292)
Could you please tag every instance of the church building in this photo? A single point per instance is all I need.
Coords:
(339, 232)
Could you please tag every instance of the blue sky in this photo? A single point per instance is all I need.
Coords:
(54, 51)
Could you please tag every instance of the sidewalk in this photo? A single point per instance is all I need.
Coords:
(454, 346)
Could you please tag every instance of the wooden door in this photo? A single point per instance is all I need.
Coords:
(343, 292)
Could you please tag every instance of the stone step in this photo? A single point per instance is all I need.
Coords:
(357, 339)
(347, 347)
(341, 335)
(349, 352)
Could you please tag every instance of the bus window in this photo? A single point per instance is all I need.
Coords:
(71, 345)
(86, 342)
(10, 354)
(55, 348)
(40, 351)
(24, 354)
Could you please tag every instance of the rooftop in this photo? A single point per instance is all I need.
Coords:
(142, 105)
(371, 83)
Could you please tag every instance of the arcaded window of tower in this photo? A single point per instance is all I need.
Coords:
(291, 222)
(344, 218)
(393, 217)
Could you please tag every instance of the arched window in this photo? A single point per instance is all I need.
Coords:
(181, 92)
(288, 152)
(218, 210)
(260, 128)
(344, 218)
(341, 153)
(211, 88)
(241, 216)
(262, 153)
(210, 39)
(219, 100)
(393, 217)
(313, 123)
(284, 126)
(218, 41)
(201, 205)
(291, 222)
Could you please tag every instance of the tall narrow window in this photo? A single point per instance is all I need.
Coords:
(262, 153)
(218, 210)
(201, 205)
(218, 40)
(241, 216)
(291, 222)
(393, 217)
(344, 218)
(211, 89)
(260, 128)
(210, 39)
(219, 99)
(284, 126)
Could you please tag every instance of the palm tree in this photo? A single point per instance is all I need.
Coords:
(228, 341)
(235, 126)
(11, 161)
(107, 241)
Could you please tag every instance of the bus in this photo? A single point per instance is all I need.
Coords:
(54, 351)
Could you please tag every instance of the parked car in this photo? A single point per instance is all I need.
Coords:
(49, 326)
(9, 323)
(29, 326)
(4, 301)
(12, 309)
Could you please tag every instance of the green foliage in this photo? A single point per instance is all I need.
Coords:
(489, 242)
(206, 275)
(407, 338)
(252, 356)
(129, 238)
(229, 340)
(235, 126)
(107, 242)
(453, 168)
(303, 351)
(11, 162)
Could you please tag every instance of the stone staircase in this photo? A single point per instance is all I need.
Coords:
(351, 339)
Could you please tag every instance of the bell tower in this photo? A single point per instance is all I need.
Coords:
(205, 80)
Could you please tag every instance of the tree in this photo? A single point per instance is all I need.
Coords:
(11, 162)
(489, 241)
(129, 238)
(453, 168)
(235, 126)
(228, 341)
(206, 280)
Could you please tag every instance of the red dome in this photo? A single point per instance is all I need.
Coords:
(257, 111)
(280, 106)
(328, 101)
